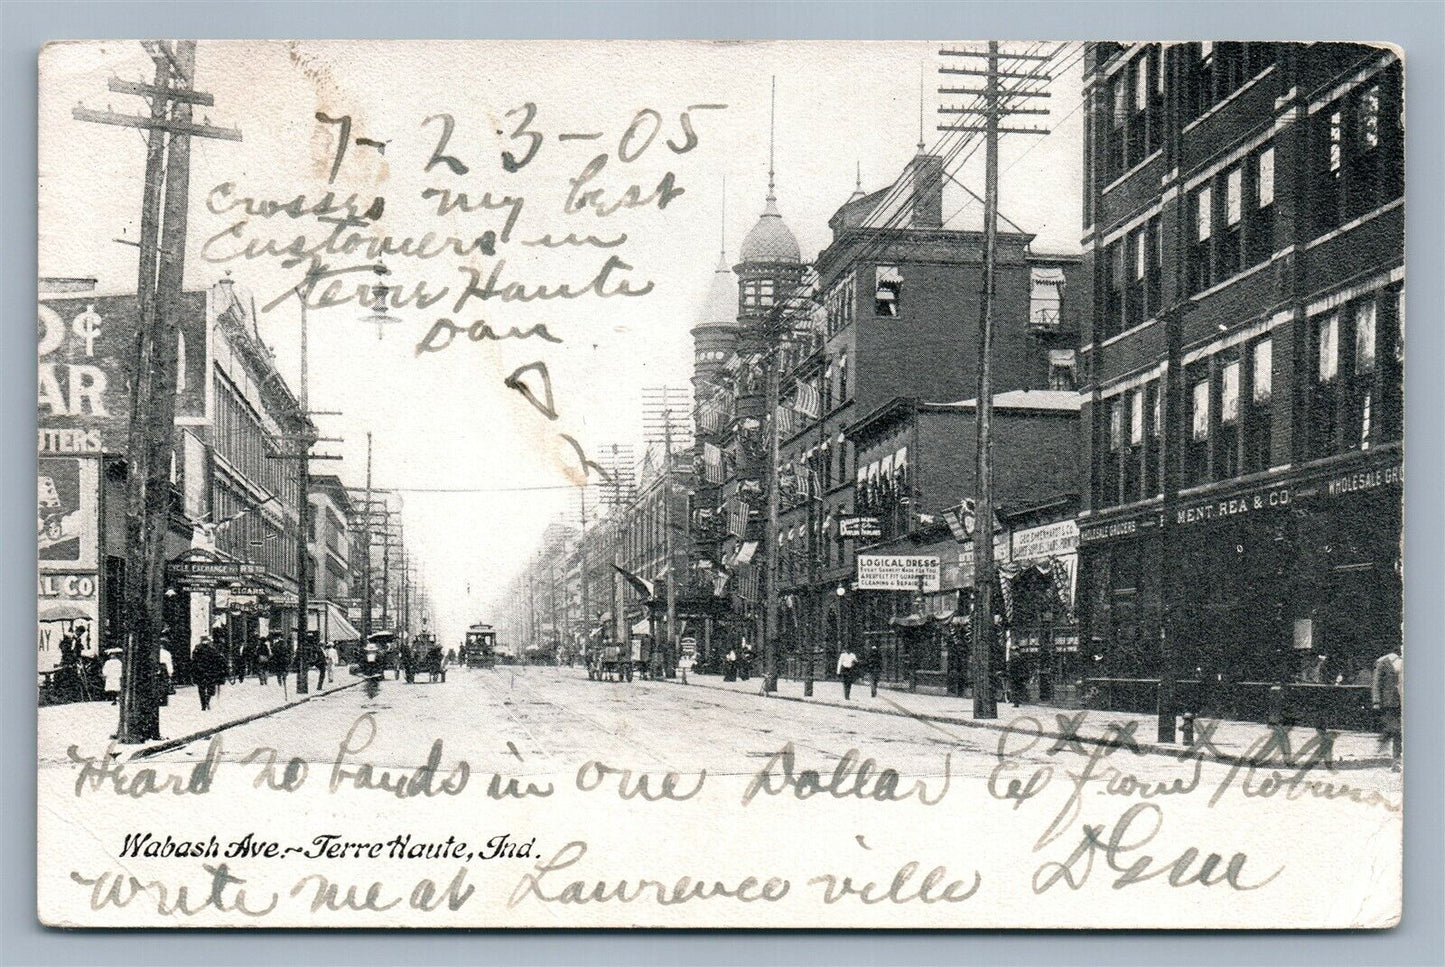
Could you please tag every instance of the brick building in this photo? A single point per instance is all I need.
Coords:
(1244, 233)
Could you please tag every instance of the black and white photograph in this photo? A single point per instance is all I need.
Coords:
(720, 484)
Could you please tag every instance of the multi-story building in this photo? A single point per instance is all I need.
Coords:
(335, 589)
(1244, 232)
(253, 511)
(899, 292)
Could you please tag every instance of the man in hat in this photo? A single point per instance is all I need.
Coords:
(210, 670)
(1386, 687)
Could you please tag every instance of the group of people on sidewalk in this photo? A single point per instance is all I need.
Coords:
(211, 668)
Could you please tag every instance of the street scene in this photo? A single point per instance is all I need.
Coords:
(988, 414)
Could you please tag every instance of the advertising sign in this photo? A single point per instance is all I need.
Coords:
(67, 516)
(897, 572)
(66, 614)
(1046, 540)
(86, 352)
(853, 526)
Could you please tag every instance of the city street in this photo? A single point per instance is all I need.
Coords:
(544, 718)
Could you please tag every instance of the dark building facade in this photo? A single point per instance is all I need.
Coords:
(1246, 198)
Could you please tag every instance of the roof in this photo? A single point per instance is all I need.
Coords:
(770, 240)
(720, 308)
(1063, 401)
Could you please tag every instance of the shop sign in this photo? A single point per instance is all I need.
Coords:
(66, 587)
(1048, 540)
(86, 349)
(897, 572)
(1218, 509)
(1364, 480)
(67, 515)
(191, 573)
(1112, 529)
(854, 526)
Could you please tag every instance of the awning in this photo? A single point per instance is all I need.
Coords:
(642, 627)
(908, 621)
(338, 629)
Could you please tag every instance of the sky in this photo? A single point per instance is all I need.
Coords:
(480, 469)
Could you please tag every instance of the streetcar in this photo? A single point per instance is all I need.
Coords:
(480, 647)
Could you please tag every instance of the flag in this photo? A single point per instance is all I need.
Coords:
(806, 401)
(641, 585)
(738, 518)
(748, 583)
(720, 583)
(712, 461)
(786, 421)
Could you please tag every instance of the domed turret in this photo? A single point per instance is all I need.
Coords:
(770, 239)
(721, 306)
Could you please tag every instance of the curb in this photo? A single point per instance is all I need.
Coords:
(1153, 748)
(165, 745)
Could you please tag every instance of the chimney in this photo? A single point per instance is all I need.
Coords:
(927, 174)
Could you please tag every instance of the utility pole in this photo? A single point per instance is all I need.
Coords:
(582, 568)
(770, 531)
(366, 554)
(152, 415)
(995, 106)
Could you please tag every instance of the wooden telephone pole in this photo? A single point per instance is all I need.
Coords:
(152, 416)
(996, 103)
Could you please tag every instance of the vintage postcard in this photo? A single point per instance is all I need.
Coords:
(720, 484)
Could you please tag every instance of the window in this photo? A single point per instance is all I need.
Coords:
(1228, 451)
(1134, 459)
(1063, 370)
(887, 291)
(1114, 285)
(1196, 451)
(1324, 398)
(1134, 298)
(1258, 415)
(1201, 269)
(1220, 69)
(1155, 432)
(843, 378)
(1358, 151)
(1229, 248)
(1259, 231)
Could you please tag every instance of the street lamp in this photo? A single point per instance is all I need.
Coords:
(379, 291)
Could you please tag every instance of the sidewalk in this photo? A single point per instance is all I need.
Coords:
(91, 724)
(1231, 742)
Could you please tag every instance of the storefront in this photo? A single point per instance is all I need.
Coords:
(1291, 581)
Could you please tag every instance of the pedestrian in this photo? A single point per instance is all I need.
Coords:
(209, 668)
(371, 670)
(746, 671)
(875, 667)
(1386, 687)
(320, 663)
(847, 662)
(730, 666)
(281, 662)
(1018, 678)
(165, 675)
(261, 661)
(110, 674)
(333, 661)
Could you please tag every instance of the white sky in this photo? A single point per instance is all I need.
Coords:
(445, 420)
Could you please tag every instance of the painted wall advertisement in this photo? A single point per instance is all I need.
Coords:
(86, 352)
(67, 525)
